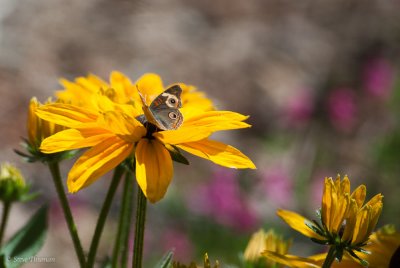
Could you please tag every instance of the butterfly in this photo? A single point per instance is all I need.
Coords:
(163, 111)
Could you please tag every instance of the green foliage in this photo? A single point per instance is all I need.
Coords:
(207, 264)
(166, 260)
(33, 154)
(23, 246)
(176, 155)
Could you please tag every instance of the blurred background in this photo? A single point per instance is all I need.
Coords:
(319, 80)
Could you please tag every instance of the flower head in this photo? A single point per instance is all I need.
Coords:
(113, 133)
(38, 130)
(346, 222)
(380, 252)
(12, 184)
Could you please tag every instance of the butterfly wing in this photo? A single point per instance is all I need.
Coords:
(165, 107)
(163, 112)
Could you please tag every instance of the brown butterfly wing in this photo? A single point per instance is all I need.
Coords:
(164, 108)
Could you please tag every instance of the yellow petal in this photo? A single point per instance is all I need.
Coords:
(290, 260)
(346, 262)
(298, 223)
(350, 221)
(124, 89)
(360, 228)
(154, 169)
(255, 247)
(219, 153)
(327, 201)
(182, 135)
(345, 186)
(338, 216)
(91, 84)
(73, 139)
(33, 122)
(97, 81)
(375, 213)
(214, 120)
(150, 85)
(123, 125)
(66, 115)
(359, 195)
(97, 161)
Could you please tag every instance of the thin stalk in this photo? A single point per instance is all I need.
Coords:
(118, 172)
(4, 219)
(122, 241)
(330, 257)
(139, 229)
(55, 173)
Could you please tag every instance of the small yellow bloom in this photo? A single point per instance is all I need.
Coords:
(39, 129)
(12, 184)
(262, 241)
(346, 222)
(114, 134)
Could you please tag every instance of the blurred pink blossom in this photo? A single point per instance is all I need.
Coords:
(342, 108)
(299, 107)
(180, 243)
(378, 77)
(278, 187)
(221, 199)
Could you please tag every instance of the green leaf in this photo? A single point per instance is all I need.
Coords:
(106, 263)
(27, 241)
(166, 260)
(176, 155)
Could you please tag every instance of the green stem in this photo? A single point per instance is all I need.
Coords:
(330, 257)
(139, 229)
(118, 172)
(122, 241)
(4, 219)
(55, 172)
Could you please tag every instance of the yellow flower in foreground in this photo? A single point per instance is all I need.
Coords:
(121, 90)
(262, 241)
(382, 248)
(346, 222)
(114, 134)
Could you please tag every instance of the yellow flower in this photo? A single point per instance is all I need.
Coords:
(114, 134)
(381, 249)
(121, 90)
(346, 223)
(39, 129)
(265, 241)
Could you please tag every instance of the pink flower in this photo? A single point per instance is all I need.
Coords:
(378, 77)
(299, 108)
(278, 187)
(342, 108)
(179, 242)
(222, 200)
